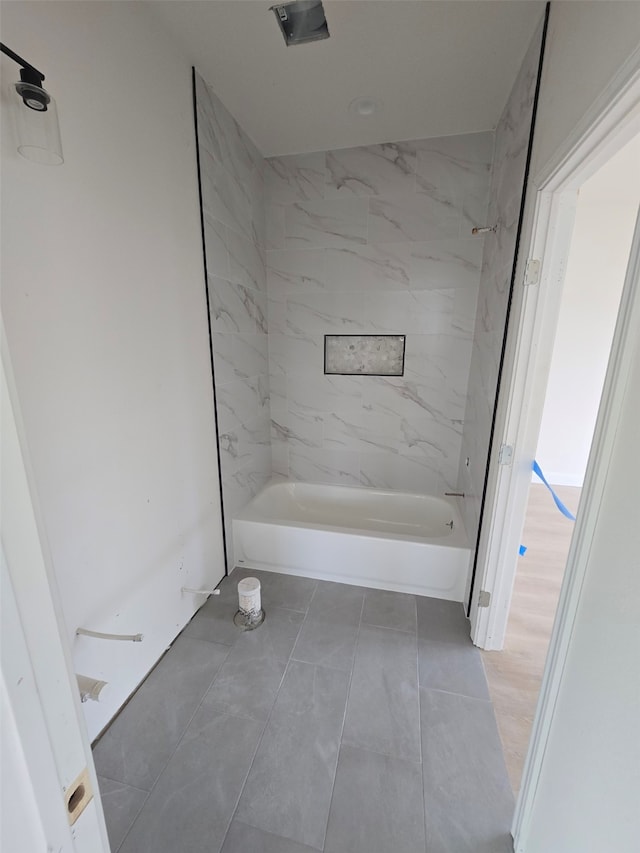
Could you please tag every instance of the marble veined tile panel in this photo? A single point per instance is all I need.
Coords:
(280, 458)
(332, 223)
(377, 355)
(215, 242)
(368, 268)
(372, 170)
(344, 432)
(277, 316)
(420, 312)
(223, 197)
(293, 270)
(235, 308)
(445, 264)
(411, 218)
(221, 134)
(298, 430)
(438, 361)
(324, 393)
(274, 226)
(409, 400)
(452, 167)
(311, 313)
(247, 262)
(241, 400)
(314, 465)
(296, 354)
(239, 356)
(297, 177)
(401, 472)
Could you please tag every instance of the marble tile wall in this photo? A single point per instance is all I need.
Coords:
(512, 136)
(374, 240)
(232, 175)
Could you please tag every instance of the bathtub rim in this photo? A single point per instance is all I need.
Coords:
(456, 539)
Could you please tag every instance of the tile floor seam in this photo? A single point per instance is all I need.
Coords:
(388, 628)
(424, 792)
(118, 782)
(179, 740)
(253, 758)
(266, 724)
(316, 663)
(133, 821)
(344, 718)
(382, 754)
(453, 693)
(419, 701)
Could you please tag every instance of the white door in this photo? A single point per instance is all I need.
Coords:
(50, 800)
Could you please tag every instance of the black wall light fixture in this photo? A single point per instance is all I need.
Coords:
(301, 21)
(35, 115)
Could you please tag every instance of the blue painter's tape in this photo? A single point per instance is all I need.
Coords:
(522, 550)
(538, 470)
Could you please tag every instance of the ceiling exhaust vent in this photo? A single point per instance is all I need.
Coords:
(302, 21)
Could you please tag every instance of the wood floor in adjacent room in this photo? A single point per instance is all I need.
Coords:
(515, 673)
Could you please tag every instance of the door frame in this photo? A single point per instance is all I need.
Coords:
(625, 347)
(43, 723)
(613, 120)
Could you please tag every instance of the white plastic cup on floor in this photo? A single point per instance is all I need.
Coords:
(249, 599)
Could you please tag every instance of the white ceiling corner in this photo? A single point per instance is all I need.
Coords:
(437, 68)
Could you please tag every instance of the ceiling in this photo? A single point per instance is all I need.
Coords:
(437, 68)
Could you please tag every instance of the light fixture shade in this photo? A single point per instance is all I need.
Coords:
(38, 132)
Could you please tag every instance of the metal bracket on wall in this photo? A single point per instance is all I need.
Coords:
(532, 272)
(505, 455)
(484, 599)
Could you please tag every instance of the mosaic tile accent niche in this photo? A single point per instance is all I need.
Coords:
(364, 355)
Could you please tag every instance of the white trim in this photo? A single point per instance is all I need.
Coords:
(39, 684)
(625, 344)
(611, 122)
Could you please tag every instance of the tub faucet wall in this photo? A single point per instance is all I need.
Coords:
(512, 135)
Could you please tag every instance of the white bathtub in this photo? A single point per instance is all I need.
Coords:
(368, 537)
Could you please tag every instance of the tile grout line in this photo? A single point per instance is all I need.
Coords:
(266, 723)
(128, 832)
(424, 795)
(344, 718)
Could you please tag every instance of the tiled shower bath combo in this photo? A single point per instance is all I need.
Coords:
(354, 718)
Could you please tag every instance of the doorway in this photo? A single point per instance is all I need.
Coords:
(600, 244)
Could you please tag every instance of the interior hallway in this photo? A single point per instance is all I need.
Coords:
(352, 720)
(515, 673)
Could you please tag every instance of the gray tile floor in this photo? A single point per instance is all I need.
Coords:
(352, 721)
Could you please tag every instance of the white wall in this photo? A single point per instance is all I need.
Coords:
(587, 43)
(605, 217)
(104, 307)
